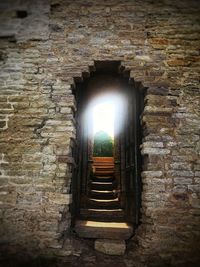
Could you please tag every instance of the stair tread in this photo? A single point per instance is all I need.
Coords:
(104, 200)
(104, 210)
(109, 166)
(111, 159)
(101, 183)
(102, 191)
(121, 225)
(96, 229)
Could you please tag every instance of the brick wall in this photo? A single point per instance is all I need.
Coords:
(42, 52)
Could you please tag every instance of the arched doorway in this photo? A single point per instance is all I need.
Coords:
(106, 190)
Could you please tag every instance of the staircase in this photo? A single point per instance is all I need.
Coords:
(103, 217)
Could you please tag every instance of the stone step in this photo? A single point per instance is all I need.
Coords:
(103, 178)
(110, 246)
(102, 186)
(102, 214)
(102, 175)
(103, 159)
(103, 172)
(103, 168)
(103, 203)
(106, 176)
(110, 230)
(103, 163)
(102, 194)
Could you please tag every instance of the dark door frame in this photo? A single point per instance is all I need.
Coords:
(81, 155)
(131, 160)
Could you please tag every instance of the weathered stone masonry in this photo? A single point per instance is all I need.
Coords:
(45, 46)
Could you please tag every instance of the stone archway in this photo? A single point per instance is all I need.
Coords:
(127, 152)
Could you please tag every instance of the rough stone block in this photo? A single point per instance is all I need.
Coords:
(152, 174)
(110, 247)
(155, 151)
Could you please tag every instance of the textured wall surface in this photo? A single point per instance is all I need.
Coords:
(44, 47)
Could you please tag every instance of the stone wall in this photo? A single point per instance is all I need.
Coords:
(45, 46)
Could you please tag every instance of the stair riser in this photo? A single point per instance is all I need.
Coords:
(102, 187)
(101, 218)
(107, 216)
(103, 205)
(111, 234)
(113, 212)
(102, 172)
(109, 180)
(102, 195)
(105, 163)
(103, 176)
(103, 159)
(102, 168)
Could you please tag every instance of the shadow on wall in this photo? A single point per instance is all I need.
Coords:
(37, 262)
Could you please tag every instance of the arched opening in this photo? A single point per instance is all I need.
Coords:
(104, 118)
(106, 183)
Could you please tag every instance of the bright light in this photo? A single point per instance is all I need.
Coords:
(106, 113)
(103, 118)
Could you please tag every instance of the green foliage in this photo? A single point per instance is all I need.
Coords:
(103, 145)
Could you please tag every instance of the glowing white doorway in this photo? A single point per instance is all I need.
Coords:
(103, 118)
(106, 114)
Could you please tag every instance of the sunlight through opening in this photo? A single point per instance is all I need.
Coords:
(106, 113)
(103, 118)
